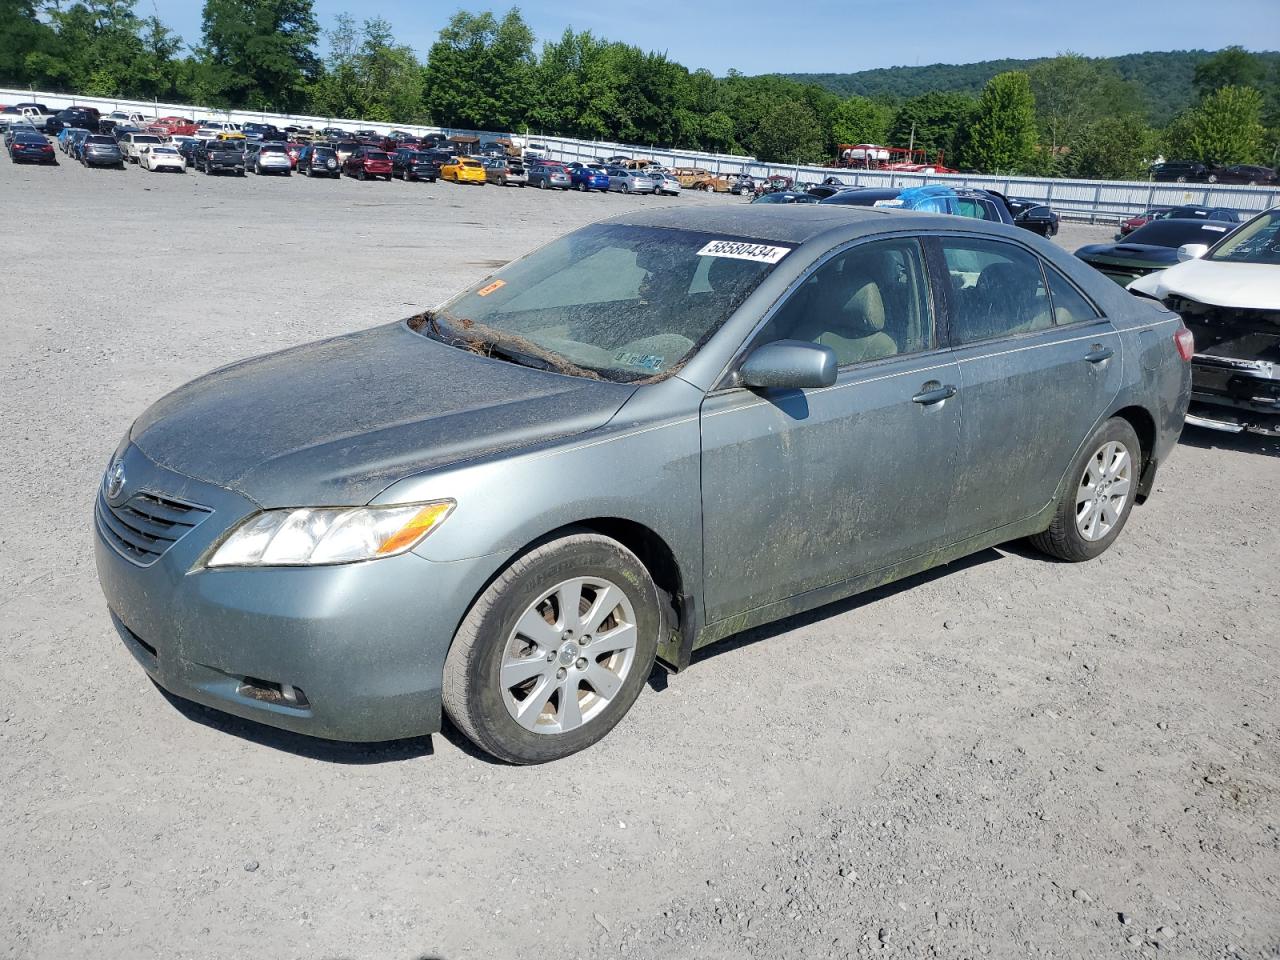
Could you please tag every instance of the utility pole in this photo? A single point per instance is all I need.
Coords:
(911, 147)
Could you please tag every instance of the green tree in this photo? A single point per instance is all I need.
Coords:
(1113, 148)
(934, 122)
(1225, 128)
(1002, 138)
(479, 70)
(368, 75)
(1229, 67)
(788, 132)
(860, 120)
(26, 44)
(259, 53)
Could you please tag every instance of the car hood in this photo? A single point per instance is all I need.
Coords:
(1250, 286)
(337, 421)
(1129, 252)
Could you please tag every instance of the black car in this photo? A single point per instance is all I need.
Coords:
(1191, 211)
(409, 164)
(785, 196)
(1150, 248)
(1180, 171)
(319, 160)
(220, 156)
(1245, 173)
(101, 150)
(189, 149)
(1034, 215)
(122, 130)
(30, 147)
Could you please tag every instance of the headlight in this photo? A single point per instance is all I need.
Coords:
(308, 536)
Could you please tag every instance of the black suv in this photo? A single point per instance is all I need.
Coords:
(319, 160)
(409, 164)
(1180, 171)
(1244, 173)
(220, 156)
(86, 118)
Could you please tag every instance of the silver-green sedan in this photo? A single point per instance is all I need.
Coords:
(648, 435)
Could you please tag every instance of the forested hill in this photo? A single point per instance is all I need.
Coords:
(1163, 78)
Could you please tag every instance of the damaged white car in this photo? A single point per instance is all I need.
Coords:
(1229, 296)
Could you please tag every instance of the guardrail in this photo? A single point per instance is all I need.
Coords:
(1092, 201)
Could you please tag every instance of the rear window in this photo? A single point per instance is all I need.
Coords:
(273, 148)
(98, 138)
(146, 138)
(377, 155)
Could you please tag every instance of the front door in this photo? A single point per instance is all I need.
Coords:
(1039, 366)
(802, 489)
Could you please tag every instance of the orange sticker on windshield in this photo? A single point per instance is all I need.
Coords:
(485, 291)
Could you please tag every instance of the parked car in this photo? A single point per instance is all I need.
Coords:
(784, 196)
(319, 160)
(587, 177)
(622, 180)
(264, 156)
(495, 170)
(161, 156)
(188, 148)
(1180, 171)
(100, 150)
(357, 572)
(1149, 248)
(176, 126)
(1133, 223)
(664, 183)
(31, 147)
(410, 163)
(85, 118)
(1034, 215)
(742, 184)
(345, 148)
(221, 156)
(366, 162)
(464, 170)
(67, 134)
(131, 144)
(974, 204)
(1195, 212)
(696, 178)
(1228, 296)
(535, 151)
(517, 175)
(1246, 173)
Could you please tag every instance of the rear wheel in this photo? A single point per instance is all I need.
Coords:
(1098, 497)
(555, 651)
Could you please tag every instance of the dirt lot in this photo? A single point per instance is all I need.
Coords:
(1006, 758)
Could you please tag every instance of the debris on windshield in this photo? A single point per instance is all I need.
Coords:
(488, 342)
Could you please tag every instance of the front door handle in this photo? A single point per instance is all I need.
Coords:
(1097, 353)
(933, 392)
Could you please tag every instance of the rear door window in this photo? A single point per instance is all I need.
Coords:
(1069, 305)
(997, 290)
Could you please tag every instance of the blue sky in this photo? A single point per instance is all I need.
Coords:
(838, 36)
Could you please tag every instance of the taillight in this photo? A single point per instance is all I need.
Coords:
(1185, 341)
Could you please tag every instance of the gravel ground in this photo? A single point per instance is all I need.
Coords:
(1007, 757)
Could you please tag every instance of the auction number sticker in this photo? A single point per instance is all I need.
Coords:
(741, 250)
(496, 285)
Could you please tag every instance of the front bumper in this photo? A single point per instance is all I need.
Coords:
(365, 643)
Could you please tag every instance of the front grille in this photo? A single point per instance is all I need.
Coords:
(147, 524)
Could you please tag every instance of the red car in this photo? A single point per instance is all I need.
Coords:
(1133, 223)
(293, 149)
(366, 162)
(175, 126)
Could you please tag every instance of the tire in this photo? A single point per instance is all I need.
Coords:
(1068, 537)
(1180, 180)
(626, 187)
(474, 696)
(1212, 178)
(542, 184)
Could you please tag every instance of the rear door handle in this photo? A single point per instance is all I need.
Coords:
(934, 392)
(1097, 353)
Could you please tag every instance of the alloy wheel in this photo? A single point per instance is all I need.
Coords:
(1104, 490)
(568, 655)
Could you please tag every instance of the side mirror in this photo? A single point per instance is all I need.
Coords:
(789, 365)
(1192, 251)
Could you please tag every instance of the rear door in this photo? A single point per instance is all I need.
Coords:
(802, 489)
(1039, 366)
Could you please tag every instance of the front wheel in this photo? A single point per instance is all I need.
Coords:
(555, 651)
(1098, 497)
(542, 184)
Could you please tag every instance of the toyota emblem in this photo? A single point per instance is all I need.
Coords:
(115, 479)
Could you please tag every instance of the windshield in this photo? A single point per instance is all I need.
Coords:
(610, 301)
(1174, 233)
(1256, 242)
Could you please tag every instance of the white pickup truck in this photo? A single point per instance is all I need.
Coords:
(36, 117)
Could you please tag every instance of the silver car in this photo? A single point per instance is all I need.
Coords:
(268, 157)
(630, 181)
(652, 433)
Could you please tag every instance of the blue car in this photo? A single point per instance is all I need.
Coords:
(586, 178)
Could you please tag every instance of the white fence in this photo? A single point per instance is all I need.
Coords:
(1092, 200)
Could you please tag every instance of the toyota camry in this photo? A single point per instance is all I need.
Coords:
(652, 433)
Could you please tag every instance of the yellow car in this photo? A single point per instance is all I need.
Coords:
(231, 135)
(464, 170)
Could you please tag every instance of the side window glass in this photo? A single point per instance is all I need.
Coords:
(997, 290)
(865, 303)
(1068, 305)
(968, 207)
